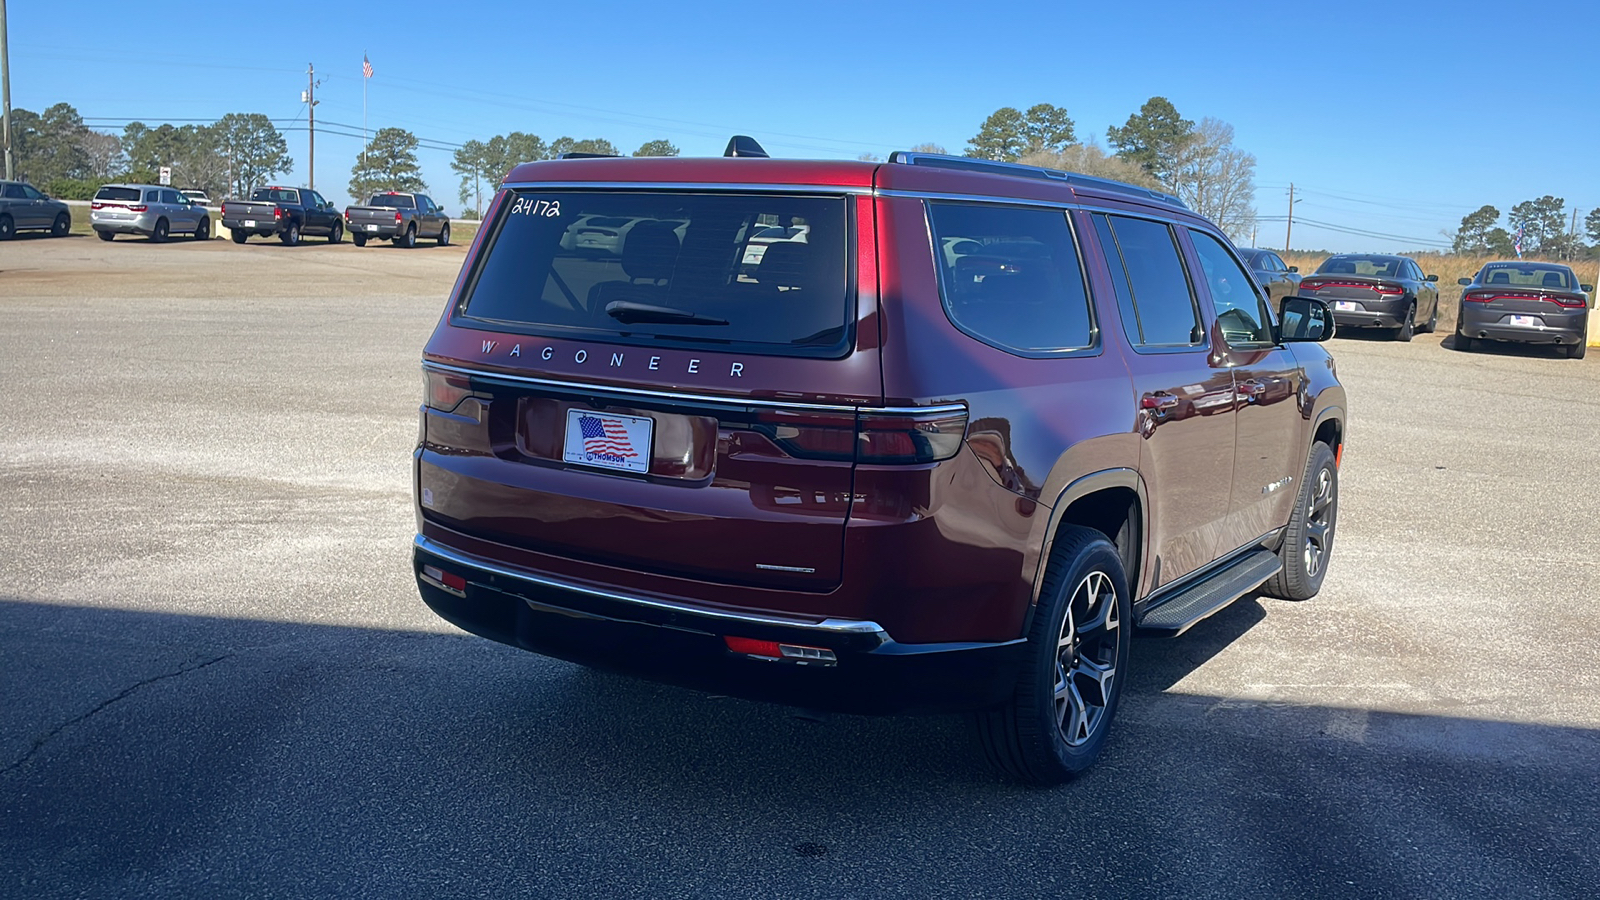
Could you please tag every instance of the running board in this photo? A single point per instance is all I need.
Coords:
(1176, 614)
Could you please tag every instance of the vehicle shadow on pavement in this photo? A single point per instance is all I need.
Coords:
(149, 754)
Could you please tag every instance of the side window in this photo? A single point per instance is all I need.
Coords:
(14, 192)
(30, 193)
(1010, 276)
(1412, 271)
(1269, 262)
(152, 196)
(1241, 312)
(425, 203)
(1159, 308)
(171, 198)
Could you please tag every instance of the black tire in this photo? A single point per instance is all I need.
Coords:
(202, 232)
(1576, 351)
(163, 228)
(1308, 541)
(106, 235)
(444, 235)
(1055, 723)
(360, 240)
(8, 228)
(409, 239)
(291, 235)
(1463, 343)
(61, 226)
(240, 237)
(337, 234)
(1408, 327)
(1433, 321)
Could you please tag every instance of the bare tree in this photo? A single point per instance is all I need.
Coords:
(1090, 159)
(1217, 179)
(104, 152)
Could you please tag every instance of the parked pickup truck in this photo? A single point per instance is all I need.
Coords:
(397, 216)
(288, 213)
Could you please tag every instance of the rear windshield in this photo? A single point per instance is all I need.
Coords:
(642, 267)
(1373, 266)
(1529, 276)
(120, 194)
(393, 201)
(277, 195)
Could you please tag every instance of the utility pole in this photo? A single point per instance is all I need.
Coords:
(1572, 236)
(311, 114)
(5, 97)
(1289, 232)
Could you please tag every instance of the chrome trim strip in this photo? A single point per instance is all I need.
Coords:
(691, 186)
(980, 198)
(712, 399)
(826, 626)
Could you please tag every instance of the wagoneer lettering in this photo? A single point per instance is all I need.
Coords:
(1002, 417)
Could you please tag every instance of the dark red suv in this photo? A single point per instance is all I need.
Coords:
(932, 434)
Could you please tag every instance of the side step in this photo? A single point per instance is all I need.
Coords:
(1176, 614)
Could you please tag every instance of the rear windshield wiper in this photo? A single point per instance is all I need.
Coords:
(628, 312)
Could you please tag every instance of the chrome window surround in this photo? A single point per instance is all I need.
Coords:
(826, 626)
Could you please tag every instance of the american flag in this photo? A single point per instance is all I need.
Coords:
(606, 438)
(366, 67)
(1518, 245)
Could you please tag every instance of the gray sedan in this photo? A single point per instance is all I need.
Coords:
(24, 208)
(147, 209)
(1525, 302)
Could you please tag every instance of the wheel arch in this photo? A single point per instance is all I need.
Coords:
(1112, 502)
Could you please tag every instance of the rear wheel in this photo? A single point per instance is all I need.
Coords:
(1408, 327)
(360, 240)
(291, 235)
(444, 234)
(163, 228)
(61, 226)
(1308, 541)
(409, 238)
(337, 234)
(240, 237)
(1055, 723)
(202, 232)
(105, 235)
(1576, 351)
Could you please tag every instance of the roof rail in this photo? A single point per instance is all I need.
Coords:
(1018, 170)
(580, 154)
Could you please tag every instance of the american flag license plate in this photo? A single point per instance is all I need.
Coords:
(608, 441)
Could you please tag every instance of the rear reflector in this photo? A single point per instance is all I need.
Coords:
(910, 436)
(450, 581)
(773, 650)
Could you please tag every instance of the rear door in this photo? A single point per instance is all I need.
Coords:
(667, 409)
(22, 210)
(431, 218)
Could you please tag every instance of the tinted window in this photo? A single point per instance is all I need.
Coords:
(1374, 266)
(313, 198)
(1241, 313)
(1010, 276)
(1153, 275)
(670, 266)
(152, 196)
(170, 197)
(31, 193)
(14, 192)
(1558, 277)
(118, 194)
(392, 201)
(277, 195)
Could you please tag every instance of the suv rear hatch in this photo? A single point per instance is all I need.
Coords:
(657, 404)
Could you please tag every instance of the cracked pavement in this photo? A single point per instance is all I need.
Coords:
(216, 678)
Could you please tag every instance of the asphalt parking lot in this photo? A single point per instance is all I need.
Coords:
(217, 680)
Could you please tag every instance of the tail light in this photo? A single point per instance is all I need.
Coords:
(97, 205)
(397, 217)
(444, 392)
(1391, 290)
(1567, 301)
(277, 213)
(1479, 298)
(910, 436)
(140, 208)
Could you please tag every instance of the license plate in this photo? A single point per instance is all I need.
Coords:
(372, 228)
(1345, 305)
(249, 223)
(608, 441)
(1531, 321)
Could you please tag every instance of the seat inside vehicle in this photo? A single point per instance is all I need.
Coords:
(1555, 280)
(649, 254)
(1500, 277)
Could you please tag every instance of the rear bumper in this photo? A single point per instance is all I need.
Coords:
(262, 227)
(145, 224)
(1370, 313)
(678, 642)
(1558, 328)
(373, 229)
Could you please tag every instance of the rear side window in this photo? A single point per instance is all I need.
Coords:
(1010, 276)
(14, 192)
(117, 194)
(1158, 304)
(647, 267)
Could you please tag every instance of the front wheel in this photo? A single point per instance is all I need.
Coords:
(202, 232)
(360, 240)
(61, 226)
(444, 235)
(1408, 327)
(1433, 321)
(1308, 541)
(1055, 723)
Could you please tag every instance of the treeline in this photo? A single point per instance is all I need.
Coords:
(67, 159)
(1155, 148)
(481, 164)
(1539, 227)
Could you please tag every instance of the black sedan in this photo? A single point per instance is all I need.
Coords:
(1279, 279)
(1374, 291)
(1526, 302)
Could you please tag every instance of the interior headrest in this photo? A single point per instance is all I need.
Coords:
(1500, 277)
(1554, 280)
(650, 250)
(787, 264)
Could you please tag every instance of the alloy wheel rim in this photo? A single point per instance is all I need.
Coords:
(1087, 658)
(1319, 523)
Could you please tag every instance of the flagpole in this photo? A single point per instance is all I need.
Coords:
(363, 100)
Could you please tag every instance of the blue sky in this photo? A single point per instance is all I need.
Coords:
(1394, 118)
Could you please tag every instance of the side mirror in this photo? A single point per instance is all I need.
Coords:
(1304, 319)
(1433, 278)
(1463, 281)
(1294, 268)
(1586, 288)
